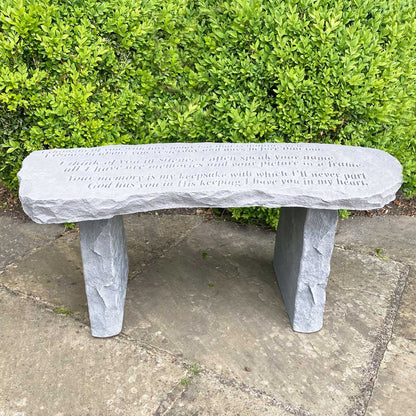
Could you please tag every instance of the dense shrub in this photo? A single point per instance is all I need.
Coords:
(88, 73)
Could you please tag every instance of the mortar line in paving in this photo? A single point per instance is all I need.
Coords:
(121, 338)
(352, 249)
(40, 302)
(41, 246)
(154, 350)
(172, 397)
(362, 251)
(157, 257)
(385, 334)
(260, 394)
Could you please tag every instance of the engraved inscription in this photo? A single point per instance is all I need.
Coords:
(178, 166)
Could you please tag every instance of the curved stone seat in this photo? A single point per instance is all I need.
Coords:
(96, 186)
(71, 185)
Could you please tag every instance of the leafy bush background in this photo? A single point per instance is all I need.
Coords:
(86, 73)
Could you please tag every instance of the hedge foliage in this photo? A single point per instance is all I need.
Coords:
(86, 73)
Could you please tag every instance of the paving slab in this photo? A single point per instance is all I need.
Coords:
(19, 236)
(214, 300)
(50, 365)
(205, 396)
(395, 236)
(54, 272)
(405, 325)
(206, 291)
(395, 390)
(150, 235)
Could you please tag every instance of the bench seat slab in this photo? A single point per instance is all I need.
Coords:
(304, 244)
(105, 264)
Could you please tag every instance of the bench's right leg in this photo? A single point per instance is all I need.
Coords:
(304, 244)
(105, 264)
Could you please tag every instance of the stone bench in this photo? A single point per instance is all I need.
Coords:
(96, 186)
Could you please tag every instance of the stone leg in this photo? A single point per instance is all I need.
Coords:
(304, 244)
(105, 263)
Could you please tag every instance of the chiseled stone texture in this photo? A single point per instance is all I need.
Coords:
(50, 365)
(304, 244)
(63, 185)
(105, 264)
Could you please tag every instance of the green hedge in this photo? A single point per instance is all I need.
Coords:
(88, 73)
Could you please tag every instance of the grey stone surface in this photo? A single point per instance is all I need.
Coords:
(19, 237)
(221, 309)
(405, 325)
(395, 390)
(395, 236)
(224, 310)
(205, 396)
(54, 272)
(64, 185)
(105, 264)
(149, 236)
(304, 244)
(50, 365)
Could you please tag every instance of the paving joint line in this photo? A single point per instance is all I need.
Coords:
(154, 350)
(172, 397)
(179, 391)
(38, 301)
(355, 250)
(362, 400)
(122, 337)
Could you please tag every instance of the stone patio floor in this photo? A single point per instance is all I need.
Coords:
(205, 330)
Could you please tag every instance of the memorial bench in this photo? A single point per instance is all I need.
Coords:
(96, 186)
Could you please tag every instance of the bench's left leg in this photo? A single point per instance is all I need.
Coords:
(304, 244)
(105, 264)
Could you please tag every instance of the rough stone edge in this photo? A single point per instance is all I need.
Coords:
(384, 336)
(41, 213)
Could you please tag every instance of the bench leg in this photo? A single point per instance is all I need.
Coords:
(105, 263)
(304, 244)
